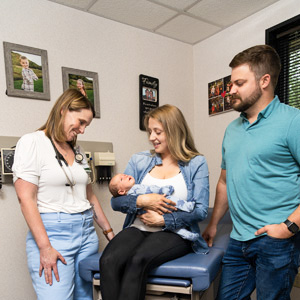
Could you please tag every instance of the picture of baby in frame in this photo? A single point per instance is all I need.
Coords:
(27, 72)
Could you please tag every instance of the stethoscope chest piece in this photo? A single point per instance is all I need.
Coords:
(78, 157)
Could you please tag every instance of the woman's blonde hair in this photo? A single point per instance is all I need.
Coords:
(83, 84)
(70, 100)
(179, 138)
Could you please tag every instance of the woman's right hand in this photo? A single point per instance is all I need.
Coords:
(48, 262)
(156, 202)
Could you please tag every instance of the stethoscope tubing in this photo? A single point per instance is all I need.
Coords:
(59, 157)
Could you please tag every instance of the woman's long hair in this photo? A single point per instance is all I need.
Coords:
(179, 138)
(83, 87)
(70, 100)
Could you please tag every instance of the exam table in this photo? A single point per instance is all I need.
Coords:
(192, 275)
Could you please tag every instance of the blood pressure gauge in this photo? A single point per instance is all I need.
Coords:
(7, 155)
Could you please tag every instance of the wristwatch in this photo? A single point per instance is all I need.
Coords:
(292, 227)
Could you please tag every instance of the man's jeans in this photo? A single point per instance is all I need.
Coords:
(265, 263)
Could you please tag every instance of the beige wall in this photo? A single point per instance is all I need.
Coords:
(119, 53)
(211, 60)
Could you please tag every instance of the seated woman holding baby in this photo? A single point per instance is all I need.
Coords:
(152, 237)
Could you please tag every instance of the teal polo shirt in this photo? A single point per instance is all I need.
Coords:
(262, 168)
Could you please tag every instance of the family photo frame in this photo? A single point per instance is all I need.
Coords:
(219, 98)
(149, 96)
(26, 70)
(84, 81)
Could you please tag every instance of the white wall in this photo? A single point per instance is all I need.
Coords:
(211, 60)
(119, 53)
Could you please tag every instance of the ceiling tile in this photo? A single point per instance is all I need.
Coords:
(82, 4)
(177, 4)
(226, 13)
(140, 13)
(189, 21)
(187, 29)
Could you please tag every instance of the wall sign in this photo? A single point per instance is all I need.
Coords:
(149, 96)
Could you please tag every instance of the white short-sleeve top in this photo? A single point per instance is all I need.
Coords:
(35, 161)
(180, 191)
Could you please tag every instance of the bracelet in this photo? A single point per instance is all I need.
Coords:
(106, 232)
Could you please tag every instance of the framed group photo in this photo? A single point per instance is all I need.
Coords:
(219, 98)
(26, 71)
(84, 81)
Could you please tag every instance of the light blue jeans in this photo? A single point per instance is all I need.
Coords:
(265, 263)
(74, 236)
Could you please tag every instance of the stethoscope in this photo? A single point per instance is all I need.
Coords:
(59, 157)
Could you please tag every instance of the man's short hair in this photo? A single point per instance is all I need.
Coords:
(262, 59)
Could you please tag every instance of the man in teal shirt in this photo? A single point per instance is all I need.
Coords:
(259, 183)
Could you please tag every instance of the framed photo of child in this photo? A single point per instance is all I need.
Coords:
(86, 82)
(26, 72)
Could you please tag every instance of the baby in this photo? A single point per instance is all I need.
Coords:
(122, 184)
(28, 75)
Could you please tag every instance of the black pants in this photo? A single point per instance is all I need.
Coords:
(128, 258)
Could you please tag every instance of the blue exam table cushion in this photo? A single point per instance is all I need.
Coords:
(161, 280)
(200, 269)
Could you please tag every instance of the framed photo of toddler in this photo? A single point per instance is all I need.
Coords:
(84, 81)
(26, 71)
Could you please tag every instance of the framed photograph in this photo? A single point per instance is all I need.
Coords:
(26, 71)
(149, 96)
(219, 98)
(227, 88)
(86, 82)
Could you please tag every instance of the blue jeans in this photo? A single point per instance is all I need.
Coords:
(265, 263)
(74, 236)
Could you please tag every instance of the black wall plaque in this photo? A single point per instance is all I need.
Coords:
(149, 96)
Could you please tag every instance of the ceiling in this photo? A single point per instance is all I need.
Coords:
(189, 21)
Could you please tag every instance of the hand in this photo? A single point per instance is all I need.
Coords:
(48, 262)
(155, 202)
(278, 231)
(209, 234)
(152, 218)
(110, 235)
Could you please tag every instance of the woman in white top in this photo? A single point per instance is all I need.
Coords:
(57, 200)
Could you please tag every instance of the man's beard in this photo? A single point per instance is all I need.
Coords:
(247, 102)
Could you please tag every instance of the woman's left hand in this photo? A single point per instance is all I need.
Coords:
(152, 218)
(110, 236)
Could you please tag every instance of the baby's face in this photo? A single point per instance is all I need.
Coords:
(24, 63)
(124, 182)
